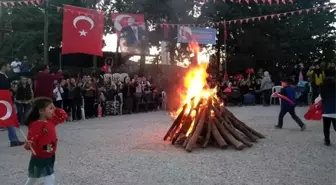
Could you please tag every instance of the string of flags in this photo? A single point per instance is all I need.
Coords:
(251, 19)
(315, 10)
(20, 3)
(59, 8)
(249, 1)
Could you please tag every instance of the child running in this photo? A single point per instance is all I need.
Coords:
(42, 139)
(286, 106)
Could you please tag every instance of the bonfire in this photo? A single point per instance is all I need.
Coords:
(202, 118)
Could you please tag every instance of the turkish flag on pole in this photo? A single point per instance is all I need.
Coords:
(7, 111)
(82, 31)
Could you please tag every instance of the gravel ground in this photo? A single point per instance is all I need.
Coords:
(129, 150)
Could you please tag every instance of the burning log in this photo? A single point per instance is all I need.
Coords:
(212, 124)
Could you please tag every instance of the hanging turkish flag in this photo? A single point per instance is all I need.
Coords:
(82, 33)
(283, 1)
(7, 111)
(270, 1)
(256, 1)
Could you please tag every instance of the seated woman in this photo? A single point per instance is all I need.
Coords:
(235, 96)
(248, 92)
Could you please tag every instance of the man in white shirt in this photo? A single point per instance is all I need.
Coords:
(58, 91)
(16, 65)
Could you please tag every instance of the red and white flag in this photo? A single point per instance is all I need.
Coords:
(82, 31)
(7, 111)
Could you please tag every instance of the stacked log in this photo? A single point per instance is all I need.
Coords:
(211, 124)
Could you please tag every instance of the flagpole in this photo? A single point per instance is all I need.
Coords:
(25, 137)
(224, 51)
(45, 32)
(60, 61)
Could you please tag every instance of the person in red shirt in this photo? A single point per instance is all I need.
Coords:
(44, 82)
(42, 139)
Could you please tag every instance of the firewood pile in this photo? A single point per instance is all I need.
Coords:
(205, 122)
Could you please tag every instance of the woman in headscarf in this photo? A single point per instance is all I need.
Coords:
(266, 88)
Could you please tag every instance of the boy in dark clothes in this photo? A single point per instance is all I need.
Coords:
(289, 92)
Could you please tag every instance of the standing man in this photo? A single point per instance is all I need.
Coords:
(16, 66)
(5, 85)
(44, 82)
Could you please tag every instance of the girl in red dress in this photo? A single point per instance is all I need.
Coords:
(42, 139)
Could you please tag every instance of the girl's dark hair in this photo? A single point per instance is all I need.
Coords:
(34, 112)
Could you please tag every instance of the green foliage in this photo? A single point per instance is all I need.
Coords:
(297, 38)
(27, 24)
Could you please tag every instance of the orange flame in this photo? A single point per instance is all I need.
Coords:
(195, 84)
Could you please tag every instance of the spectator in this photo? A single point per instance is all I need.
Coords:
(89, 98)
(128, 94)
(65, 95)
(317, 76)
(75, 99)
(328, 95)
(138, 92)
(16, 66)
(58, 91)
(25, 66)
(23, 98)
(266, 88)
(44, 82)
(5, 85)
(300, 73)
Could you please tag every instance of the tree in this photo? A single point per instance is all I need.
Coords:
(297, 38)
(26, 24)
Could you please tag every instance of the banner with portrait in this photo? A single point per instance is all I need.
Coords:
(132, 33)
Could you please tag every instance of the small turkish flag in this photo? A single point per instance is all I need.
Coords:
(82, 31)
(7, 111)
(283, 97)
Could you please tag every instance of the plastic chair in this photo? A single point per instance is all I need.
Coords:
(275, 89)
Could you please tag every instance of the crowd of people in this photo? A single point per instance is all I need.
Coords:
(82, 97)
(257, 87)
(89, 95)
(103, 94)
